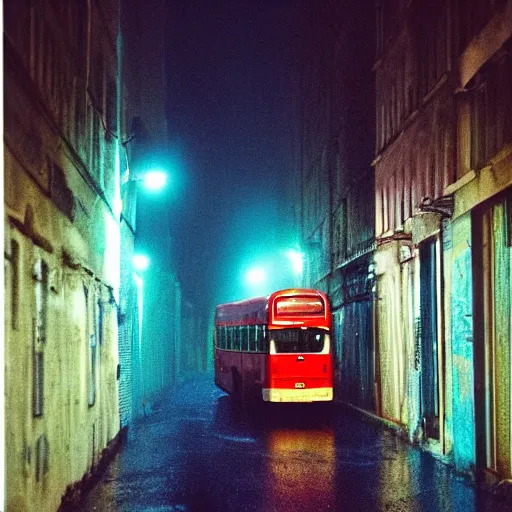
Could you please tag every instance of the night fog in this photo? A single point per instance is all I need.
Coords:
(232, 73)
(257, 255)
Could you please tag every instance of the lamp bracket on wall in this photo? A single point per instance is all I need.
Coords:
(443, 205)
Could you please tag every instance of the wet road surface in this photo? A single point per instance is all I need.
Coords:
(196, 452)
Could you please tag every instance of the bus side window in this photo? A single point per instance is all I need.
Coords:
(223, 337)
(245, 338)
(229, 335)
(257, 334)
(252, 338)
(237, 338)
(264, 339)
(260, 342)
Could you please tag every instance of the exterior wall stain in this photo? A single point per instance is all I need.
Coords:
(442, 201)
(462, 347)
(62, 242)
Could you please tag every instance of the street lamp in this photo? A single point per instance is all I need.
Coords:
(255, 276)
(140, 262)
(154, 180)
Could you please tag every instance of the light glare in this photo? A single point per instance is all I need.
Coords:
(256, 275)
(140, 262)
(155, 180)
(297, 259)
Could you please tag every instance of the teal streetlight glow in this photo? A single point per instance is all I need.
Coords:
(256, 275)
(155, 180)
(297, 260)
(140, 262)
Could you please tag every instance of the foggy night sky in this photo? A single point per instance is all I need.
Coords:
(231, 69)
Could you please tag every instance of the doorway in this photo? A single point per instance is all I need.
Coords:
(430, 356)
(492, 314)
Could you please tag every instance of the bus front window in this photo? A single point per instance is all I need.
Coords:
(300, 340)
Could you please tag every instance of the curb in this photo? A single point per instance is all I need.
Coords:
(76, 492)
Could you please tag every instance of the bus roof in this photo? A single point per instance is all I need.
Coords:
(283, 308)
(249, 311)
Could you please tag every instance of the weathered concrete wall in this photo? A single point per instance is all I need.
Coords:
(480, 269)
(447, 258)
(128, 326)
(51, 449)
(161, 332)
(62, 245)
(393, 344)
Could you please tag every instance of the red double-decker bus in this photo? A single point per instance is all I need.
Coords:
(275, 348)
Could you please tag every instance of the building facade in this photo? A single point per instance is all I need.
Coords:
(442, 189)
(480, 232)
(62, 244)
(413, 165)
(415, 256)
(156, 358)
(337, 192)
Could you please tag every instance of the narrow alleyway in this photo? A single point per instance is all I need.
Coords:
(194, 453)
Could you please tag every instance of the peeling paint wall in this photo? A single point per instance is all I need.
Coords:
(447, 257)
(415, 135)
(480, 289)
(62, 246)
(462, 345)
(61, 388)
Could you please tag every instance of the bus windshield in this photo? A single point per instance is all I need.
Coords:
(285, 341)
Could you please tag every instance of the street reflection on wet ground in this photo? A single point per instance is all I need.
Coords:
(197, 452)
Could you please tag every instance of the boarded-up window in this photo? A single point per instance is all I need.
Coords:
(99, 321)
(40, 319)
(41, 457)
(91, 342)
